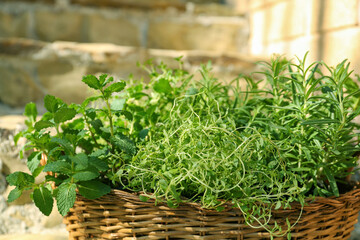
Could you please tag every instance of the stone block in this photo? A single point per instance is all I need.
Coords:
(295, 47)
(342, 44)
(332, 14)
(115, 29)
(62, 79)
(13, 24)
(256, 4)
(210, 33)
(58, 25)
(259, 31)
(18, 86)
(286, 19)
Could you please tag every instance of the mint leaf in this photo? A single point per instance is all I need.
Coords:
(20, 179)
(92, 82)
(31, 110)
(64, 114)
(66, 197)
(93, 189)
(51, 103)
(14, 194)
(58, 167)
(162, 86)
(43, 200)
(143, 133)
(98, 163)
(80, 159)
(43, 124)
(102, 79)
(89, 100)
(65, 144)
(33, 161)
(86, 175)
(118, 104)
(124, 144)
(115, 87)
(108, 80)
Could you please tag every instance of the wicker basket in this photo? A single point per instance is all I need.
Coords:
(121, 215)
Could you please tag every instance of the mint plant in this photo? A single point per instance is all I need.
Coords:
(177, 139)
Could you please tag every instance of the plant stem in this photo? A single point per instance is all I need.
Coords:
(91, 133)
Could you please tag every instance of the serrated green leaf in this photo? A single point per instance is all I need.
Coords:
(58, 167)
(80, 159)
(43, 200)
(37, 171)
(89, 100)
(65, 144)
(64, 114)
(14, 194)
(98, 163)
(124, 144)
(51, 103)
(33, 161)
(65, 197)
(93, 189)
(86, 174)
(92, 82)
(143, 133)
(43, 124)
(108, 80)
(97, 124)
(31, 110)
(162, 86)
(128, 115)
(20, 179)
(118, 104)
(102, 79)
(115, 87)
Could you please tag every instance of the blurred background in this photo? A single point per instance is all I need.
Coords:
(46, 46)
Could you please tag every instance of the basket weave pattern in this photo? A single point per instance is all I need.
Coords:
(121, 215)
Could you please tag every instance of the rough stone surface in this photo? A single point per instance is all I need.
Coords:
(201, 33)
(134, 26)
(58, 25)
(58, 68)
(25, 219)
(121, 32)
(13, 24)
(20, 85)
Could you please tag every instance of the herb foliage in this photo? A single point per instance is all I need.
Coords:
(176, 139)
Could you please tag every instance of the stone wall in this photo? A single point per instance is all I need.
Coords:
(329, 29)
(31, 69)
(178, 26)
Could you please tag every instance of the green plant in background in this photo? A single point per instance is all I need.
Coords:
(176, 139)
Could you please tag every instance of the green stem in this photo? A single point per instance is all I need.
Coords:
(109, 112)
(91, 132)
(110, 118)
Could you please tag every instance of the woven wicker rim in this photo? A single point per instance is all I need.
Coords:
(311, 203)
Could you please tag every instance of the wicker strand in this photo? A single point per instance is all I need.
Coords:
(121, 215)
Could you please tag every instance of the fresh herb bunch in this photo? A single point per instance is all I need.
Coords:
(176, 139)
